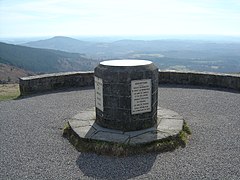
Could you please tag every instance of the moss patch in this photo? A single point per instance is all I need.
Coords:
(117, 149)
(186, 128)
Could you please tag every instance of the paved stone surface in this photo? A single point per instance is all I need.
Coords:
(32, 146)
(170, 123)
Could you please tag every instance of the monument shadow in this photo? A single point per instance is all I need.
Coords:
(108, 167)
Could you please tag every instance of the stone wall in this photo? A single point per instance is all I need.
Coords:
(48, 82)
(55, 81)
(200, 79)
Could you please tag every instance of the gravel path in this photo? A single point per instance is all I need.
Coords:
(32, 146)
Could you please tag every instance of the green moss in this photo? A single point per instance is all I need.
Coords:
(186, 128)
(118, 149)
(67, 130)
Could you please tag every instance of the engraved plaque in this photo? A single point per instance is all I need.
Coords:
(141, 96)
(98, 92)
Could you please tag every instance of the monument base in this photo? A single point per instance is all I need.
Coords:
(169, 133)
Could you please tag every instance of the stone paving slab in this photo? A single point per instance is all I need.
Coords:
(75, 123)
(170, 123)
(102, 129)
(89, 114)
(85, 132)
(148, 137)
(110, 137)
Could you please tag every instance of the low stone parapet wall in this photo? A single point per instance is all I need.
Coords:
(56, 81)
(229, 81)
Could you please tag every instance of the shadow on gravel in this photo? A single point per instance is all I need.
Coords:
(181, 86)
(106, 167)
(54, 92)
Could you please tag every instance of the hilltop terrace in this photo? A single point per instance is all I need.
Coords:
(32, 146)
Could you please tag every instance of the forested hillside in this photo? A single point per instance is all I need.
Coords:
(43, 60)
(11, 74)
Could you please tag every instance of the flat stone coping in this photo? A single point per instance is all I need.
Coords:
(200, 73)
(125, 62)
(56, 75)
(169, 124)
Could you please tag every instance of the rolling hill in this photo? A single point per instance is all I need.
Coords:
(61, 43)
(43, 60)
(194, 55)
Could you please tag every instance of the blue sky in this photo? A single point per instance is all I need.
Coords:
(29, 18)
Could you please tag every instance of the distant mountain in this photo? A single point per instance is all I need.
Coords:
(121, 48)
(194, 55)
(61, 43)
(43, 60)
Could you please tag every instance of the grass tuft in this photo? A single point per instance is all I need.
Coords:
(186, 128)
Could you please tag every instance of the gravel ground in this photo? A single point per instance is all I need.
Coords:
(32, 146)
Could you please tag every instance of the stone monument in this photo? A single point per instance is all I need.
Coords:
(126, 112)
(126, 94)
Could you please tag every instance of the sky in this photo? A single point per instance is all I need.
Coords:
(31, 18)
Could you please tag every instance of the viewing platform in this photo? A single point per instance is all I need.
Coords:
(32, 146)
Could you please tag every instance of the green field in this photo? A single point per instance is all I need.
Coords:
(9, 91)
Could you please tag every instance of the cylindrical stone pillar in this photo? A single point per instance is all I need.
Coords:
(126, 93)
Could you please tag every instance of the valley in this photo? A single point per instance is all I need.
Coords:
(62, 54)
